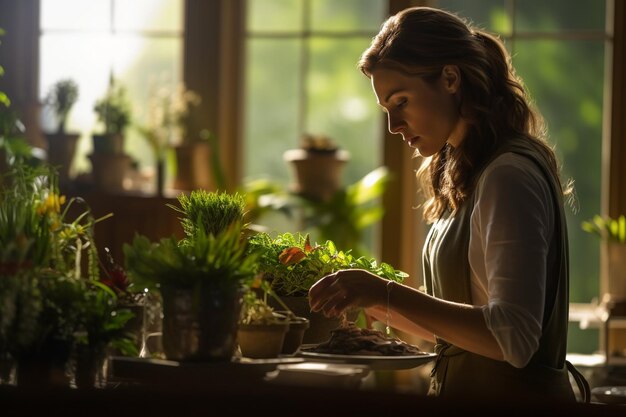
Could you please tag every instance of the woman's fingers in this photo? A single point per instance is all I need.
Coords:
(320, 292)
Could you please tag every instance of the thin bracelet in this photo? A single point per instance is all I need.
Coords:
(387, 315)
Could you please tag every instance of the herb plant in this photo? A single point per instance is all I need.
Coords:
(292, 265)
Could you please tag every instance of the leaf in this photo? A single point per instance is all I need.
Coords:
(291, 256)
(370, 187)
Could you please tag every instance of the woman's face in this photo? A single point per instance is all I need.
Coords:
(426, 115)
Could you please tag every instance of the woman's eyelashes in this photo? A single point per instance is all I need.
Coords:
(401, 103)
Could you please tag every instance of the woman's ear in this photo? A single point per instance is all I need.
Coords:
(451, 78)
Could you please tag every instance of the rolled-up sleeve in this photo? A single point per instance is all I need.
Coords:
(512, 225)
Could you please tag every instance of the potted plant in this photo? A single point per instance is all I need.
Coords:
(201, 278)
(612, 233)
(109, 161)
(292, 265)
(166, 127)
(265, 332)
(61, 143)
(261, 331)
(44, 288)
(317, 166)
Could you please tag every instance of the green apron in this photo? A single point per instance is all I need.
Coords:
(458, 373)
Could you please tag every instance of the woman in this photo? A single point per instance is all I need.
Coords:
(496, 257)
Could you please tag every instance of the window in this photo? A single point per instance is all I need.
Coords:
(301, 78)
(135, 41)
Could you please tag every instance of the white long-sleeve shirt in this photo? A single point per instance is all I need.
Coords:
(512, 225)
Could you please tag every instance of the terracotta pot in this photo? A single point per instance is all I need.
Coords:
(320, 326)
(201, 324)
(317, 174)
(61, 151)
(108, 143)
(261, 341)
(193, 167)
(295, 335)
(110, 170)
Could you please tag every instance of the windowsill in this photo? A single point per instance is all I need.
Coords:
(593, 316)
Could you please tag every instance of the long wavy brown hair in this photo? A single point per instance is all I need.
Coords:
(420, 41)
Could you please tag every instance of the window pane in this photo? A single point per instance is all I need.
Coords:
(163, 15)
(90, 59)
(341, 103)
(274, 15)
(570, 97)
(491, 15)
(272, 103)
(347, 15)
(89, 67)
(75, 14)
(555, 15)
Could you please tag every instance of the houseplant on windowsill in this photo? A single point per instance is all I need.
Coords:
(62, 144)
(612, 233)
(292, 265)
(201, 278)
(317, 167)
(166, 127)
(109, 161)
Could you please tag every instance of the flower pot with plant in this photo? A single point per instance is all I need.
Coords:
(61, 143)
(317, 167)
(261, 331)
(292, 265)
(166, 127)
(265, 332)
(109, 161)
(201, 278)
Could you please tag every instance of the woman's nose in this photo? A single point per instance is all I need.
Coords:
(394, 124)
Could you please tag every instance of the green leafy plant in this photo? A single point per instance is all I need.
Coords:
(102, 321)
(47, 295)
(607, 228)
(113, 109)
(210, 212)
(62, 97)
(219, 260)
(4, 99)
(343, 219)
(292, 265)
(214, 251)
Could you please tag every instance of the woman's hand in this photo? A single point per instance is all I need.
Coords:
(335, 293)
